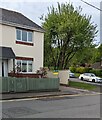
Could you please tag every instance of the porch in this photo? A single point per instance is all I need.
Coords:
(7, 60)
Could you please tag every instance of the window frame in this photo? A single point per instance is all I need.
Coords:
(27, 68)
(27, 31)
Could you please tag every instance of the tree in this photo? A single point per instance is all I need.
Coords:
(99, 53)
(85, 57)
(66, 32)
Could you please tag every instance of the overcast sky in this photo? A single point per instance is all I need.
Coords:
(33, 9)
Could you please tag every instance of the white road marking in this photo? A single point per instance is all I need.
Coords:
(59, 96)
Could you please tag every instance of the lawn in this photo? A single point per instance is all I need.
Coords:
(81, 85)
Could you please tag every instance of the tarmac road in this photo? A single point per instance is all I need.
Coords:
(85, 106)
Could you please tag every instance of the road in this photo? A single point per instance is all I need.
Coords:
(87, 106)
(77, 80)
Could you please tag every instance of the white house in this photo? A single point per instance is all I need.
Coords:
(21, 44)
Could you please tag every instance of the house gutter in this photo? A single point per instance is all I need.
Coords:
(22, 26)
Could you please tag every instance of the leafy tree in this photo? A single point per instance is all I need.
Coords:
(88, 56)
(99, 53)
(67, 31)
(100, 50)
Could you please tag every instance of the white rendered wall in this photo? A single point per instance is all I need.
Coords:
(35, 52)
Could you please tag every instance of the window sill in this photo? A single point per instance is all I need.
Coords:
(24, 43)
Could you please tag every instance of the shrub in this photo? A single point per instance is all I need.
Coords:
(97, 72)
(83, 70)
(73, 69)
(80, 70)
(42, 71)
(87, 69)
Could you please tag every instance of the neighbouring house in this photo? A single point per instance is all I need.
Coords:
(21, 44)
(97, 65)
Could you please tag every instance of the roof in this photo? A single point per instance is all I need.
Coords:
(12, 17)
(96, 65)
(6, 53)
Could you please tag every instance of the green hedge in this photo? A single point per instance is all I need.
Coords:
(81, 70)
(72, 69)
(96, 72)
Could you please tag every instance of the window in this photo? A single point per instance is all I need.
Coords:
(18, 66)
(29, 66)
(18, 34)
(24, 35)
(24, 66)
(30, 36)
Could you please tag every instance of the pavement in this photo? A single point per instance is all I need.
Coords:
(63, 90)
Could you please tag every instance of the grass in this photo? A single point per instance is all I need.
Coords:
(82, 85)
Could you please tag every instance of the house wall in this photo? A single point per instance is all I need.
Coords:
(0, 34)
(20, 50)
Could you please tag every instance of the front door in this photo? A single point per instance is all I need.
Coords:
(4, 68)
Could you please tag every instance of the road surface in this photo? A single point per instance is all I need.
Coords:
(82, 106)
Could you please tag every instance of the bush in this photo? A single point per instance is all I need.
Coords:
(96, 72)
(72, 69)
(77, 75)
(83, 70)
(87, 69)
(80, 70)
(42, 71)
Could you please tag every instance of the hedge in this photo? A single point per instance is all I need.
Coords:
(81, 70)
(96, 72)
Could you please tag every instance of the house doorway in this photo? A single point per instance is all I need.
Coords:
(4, 68)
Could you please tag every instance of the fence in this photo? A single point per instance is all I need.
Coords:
(11, 84)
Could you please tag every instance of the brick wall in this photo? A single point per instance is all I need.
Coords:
(18, 75)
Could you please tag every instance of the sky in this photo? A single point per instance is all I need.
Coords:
(34, 9)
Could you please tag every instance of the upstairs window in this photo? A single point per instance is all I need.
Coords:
(18, 34)
(24, 35)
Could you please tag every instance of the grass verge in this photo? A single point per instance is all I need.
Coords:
(82, 85)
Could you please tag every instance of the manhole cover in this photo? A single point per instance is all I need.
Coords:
(19, 111)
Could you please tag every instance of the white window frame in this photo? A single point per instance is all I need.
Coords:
(27, 65)
(21, 36)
